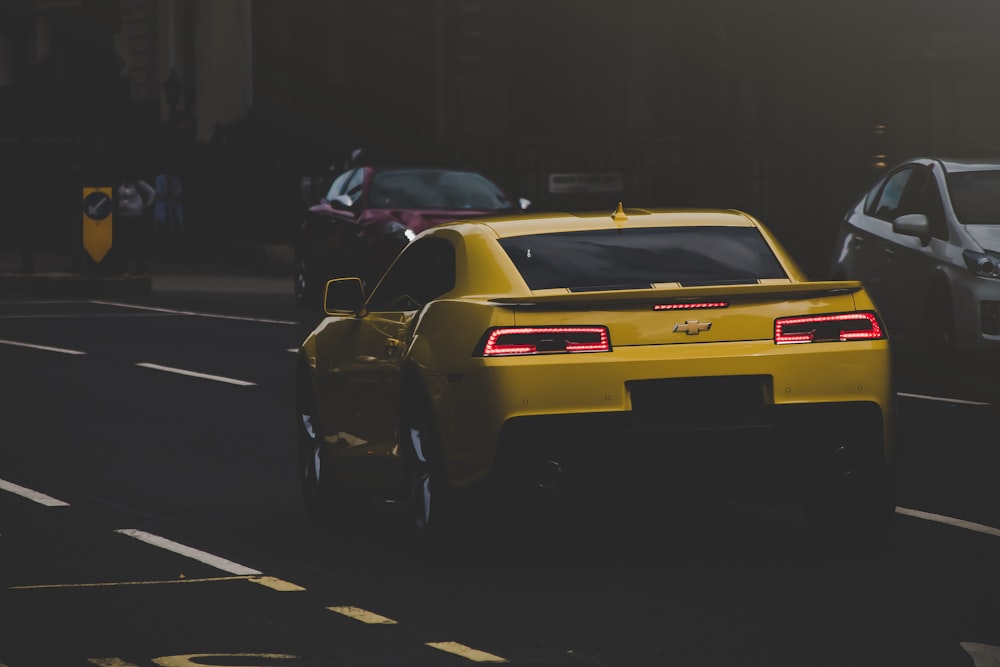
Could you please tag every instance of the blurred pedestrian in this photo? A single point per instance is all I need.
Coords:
(168, 207)
(133, 226)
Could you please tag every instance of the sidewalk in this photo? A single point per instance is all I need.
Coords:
(260, 269)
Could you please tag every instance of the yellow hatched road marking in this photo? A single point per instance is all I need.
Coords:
(362, 615)
(110, 662)
(276, 584)
(466, 652)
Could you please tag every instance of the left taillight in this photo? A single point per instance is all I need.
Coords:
(511, 341)
(828, 328)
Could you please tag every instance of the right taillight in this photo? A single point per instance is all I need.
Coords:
(828, 328)
(511, 341)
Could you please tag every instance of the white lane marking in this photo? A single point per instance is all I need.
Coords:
(25, 492)
(193, 313)
(190, 552)
(293, 349)
(111, 584)
(957, 401)
(983, 655)
(363, 615)
(45, 348)
(957, 523)
(466, 652)
(194, 374)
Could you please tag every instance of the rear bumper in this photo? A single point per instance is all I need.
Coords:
(793, 451)
(480, 408)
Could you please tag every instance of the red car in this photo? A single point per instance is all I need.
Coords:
(370, 213)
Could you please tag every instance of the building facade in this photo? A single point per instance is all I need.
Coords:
(785, 108)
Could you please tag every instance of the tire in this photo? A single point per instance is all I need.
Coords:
(429, 499)
(327, 503)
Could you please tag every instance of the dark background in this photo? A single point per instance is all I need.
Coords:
(787, 109)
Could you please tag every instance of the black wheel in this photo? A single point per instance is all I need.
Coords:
(327, 503)
(428, 496)
(940, 322)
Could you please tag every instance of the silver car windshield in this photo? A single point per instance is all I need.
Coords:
(975, 196)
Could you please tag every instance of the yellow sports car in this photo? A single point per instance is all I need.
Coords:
(554, 358)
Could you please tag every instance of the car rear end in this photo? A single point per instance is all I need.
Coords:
(761, 387)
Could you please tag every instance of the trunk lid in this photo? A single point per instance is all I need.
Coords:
(684, 315)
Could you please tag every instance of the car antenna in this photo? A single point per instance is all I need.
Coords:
(619, 215)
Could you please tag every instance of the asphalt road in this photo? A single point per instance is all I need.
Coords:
(150, 515)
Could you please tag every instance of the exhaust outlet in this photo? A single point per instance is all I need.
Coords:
(845, 460)
(549, 475)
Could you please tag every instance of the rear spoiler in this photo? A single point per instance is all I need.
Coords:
(755, 292)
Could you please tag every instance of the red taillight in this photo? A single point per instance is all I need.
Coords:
(505, 341)
(827, 328)
(693, 305)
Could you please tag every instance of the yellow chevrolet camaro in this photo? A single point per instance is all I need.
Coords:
(556, 358)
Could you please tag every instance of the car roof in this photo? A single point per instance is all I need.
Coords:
(548, 223)
(965, 164)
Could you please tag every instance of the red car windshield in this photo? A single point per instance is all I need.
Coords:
(438, 189)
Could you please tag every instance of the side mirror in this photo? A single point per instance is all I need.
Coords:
(344, 295)
(341, 203)
(913, 224)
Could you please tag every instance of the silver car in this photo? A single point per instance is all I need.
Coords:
(925, 240)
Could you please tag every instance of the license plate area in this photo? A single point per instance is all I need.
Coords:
(731, 401)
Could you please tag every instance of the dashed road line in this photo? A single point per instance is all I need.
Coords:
(31, 494)
(951, 521)
(217, 562)
(44, 348)
(194, 313)
(363, 615)
(983, 655)
(466, 652)
(956, 401)
(195, 374)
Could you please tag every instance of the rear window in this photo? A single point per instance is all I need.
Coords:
(637, 258)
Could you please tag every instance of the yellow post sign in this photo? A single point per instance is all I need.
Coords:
(97, 206)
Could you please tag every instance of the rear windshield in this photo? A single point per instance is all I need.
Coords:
(975, 196)
(637, 258)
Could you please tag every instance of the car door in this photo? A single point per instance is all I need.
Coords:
(369, 376)
(874, 244)
(911, 262)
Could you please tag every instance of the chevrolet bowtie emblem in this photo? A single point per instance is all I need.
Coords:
(692, 327)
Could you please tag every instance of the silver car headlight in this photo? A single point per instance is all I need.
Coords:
(985, 264)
